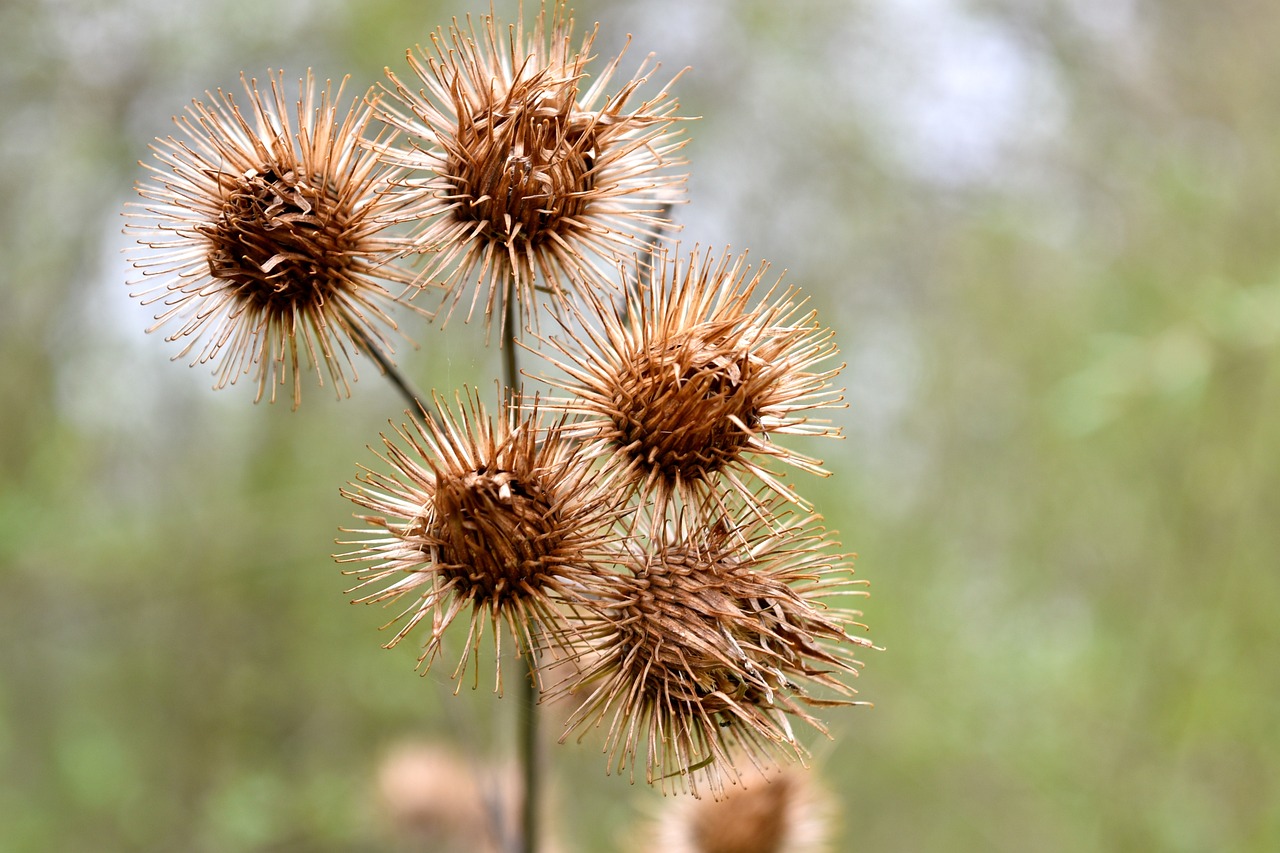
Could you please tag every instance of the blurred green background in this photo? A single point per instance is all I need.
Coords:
(1045, 234)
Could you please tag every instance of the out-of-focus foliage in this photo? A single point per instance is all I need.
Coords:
(1044, 232)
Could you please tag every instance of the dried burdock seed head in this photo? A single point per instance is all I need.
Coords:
(783, 811)
(687, 385)
(710, 643)
(265, 235)
(495, 518)
(535, 174)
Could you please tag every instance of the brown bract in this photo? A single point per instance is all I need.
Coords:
(710, 643)
(265, 235)
(682, 390)
(537, 180)
(494, 518)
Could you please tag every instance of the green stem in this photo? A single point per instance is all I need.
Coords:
(510, 371)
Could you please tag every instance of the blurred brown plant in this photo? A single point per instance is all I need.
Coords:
(688, 384)
(434, 797)
(501, 519)
(782, 811)
(532, 172)
(265, 235)
(707, 645)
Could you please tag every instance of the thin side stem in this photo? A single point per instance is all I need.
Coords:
(417, 406)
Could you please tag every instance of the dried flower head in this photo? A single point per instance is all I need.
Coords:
(710, 643)
(534, 172)
(268, 236)
(688, 383)
(497, 519)
(784, 811)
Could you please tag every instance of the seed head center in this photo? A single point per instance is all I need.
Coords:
(707, 663)
(525, 174)
(680, 408)
(281, 239)
(497, 533)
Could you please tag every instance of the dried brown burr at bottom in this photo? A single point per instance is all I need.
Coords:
(711, 642)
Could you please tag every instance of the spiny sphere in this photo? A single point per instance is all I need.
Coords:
(687, 385)
(533, 172)
(709, 643)
(492, 518)
(266, 240)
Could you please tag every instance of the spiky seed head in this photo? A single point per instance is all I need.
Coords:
(492, 517)
(538, 180)
(264, 235)
(683, 390)
(710, 643)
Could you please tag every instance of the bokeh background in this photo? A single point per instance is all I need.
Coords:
(1045, 233)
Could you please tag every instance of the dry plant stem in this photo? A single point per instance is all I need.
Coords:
(417, 408)
(527, 695)
(528, 704)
